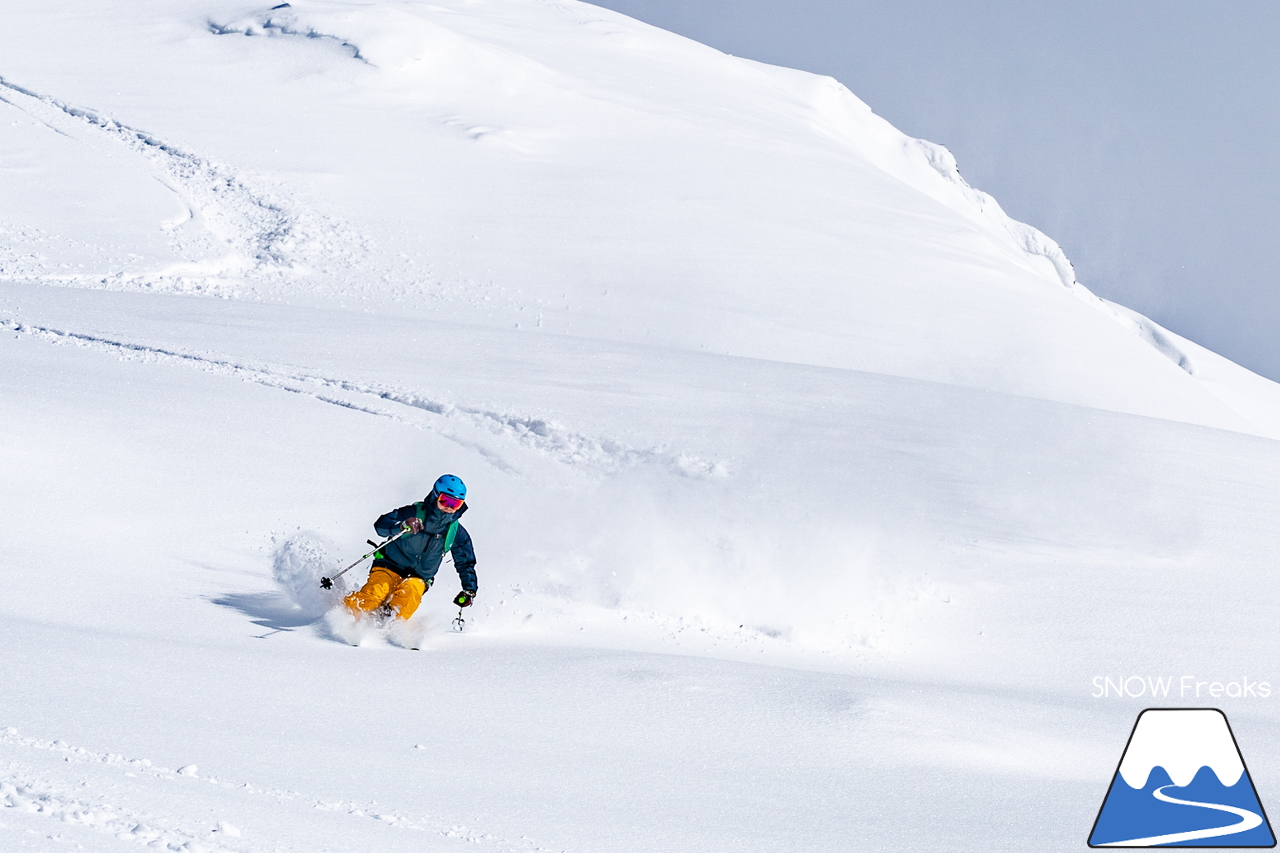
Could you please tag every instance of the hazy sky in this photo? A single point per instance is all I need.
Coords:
(1142, 136)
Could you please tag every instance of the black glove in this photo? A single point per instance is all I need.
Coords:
(465, 598)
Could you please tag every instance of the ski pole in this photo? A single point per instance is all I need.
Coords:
(327, 583)
(463, 599)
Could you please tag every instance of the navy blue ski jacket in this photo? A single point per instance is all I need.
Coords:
(419, 554)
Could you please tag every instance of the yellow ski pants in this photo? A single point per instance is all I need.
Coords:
(402, 595)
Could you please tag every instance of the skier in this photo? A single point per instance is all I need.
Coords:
(405, 569)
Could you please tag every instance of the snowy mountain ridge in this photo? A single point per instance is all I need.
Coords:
(396, 42)
(530, 106)
(916, 162)
(844, 116)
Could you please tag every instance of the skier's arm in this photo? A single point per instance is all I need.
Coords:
(464, 560)
(390, 524)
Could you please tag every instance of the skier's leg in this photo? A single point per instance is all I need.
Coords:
(374, 592)
(406, 597)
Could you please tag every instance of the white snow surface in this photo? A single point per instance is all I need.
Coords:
(810, 492)
(1181, 741)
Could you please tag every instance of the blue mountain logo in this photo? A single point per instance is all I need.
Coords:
(1182, 783)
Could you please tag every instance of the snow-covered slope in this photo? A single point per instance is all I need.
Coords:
(801, 476)
(514, 164)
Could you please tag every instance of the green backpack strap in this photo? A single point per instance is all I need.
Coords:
(449, 535)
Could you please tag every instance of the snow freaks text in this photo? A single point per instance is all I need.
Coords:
(1179, 687)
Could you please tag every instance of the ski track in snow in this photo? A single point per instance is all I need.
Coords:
(247, 233)
(76, 797)
(572, 449)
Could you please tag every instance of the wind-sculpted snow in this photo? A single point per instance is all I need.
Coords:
(923, 165)
(413, 41)
(1149, 331)
(471, 73)
(904, 157)
(280, 21)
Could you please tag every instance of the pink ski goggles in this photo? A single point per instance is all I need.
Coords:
(449, 503)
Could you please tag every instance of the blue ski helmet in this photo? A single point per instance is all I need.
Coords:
(451, 485)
